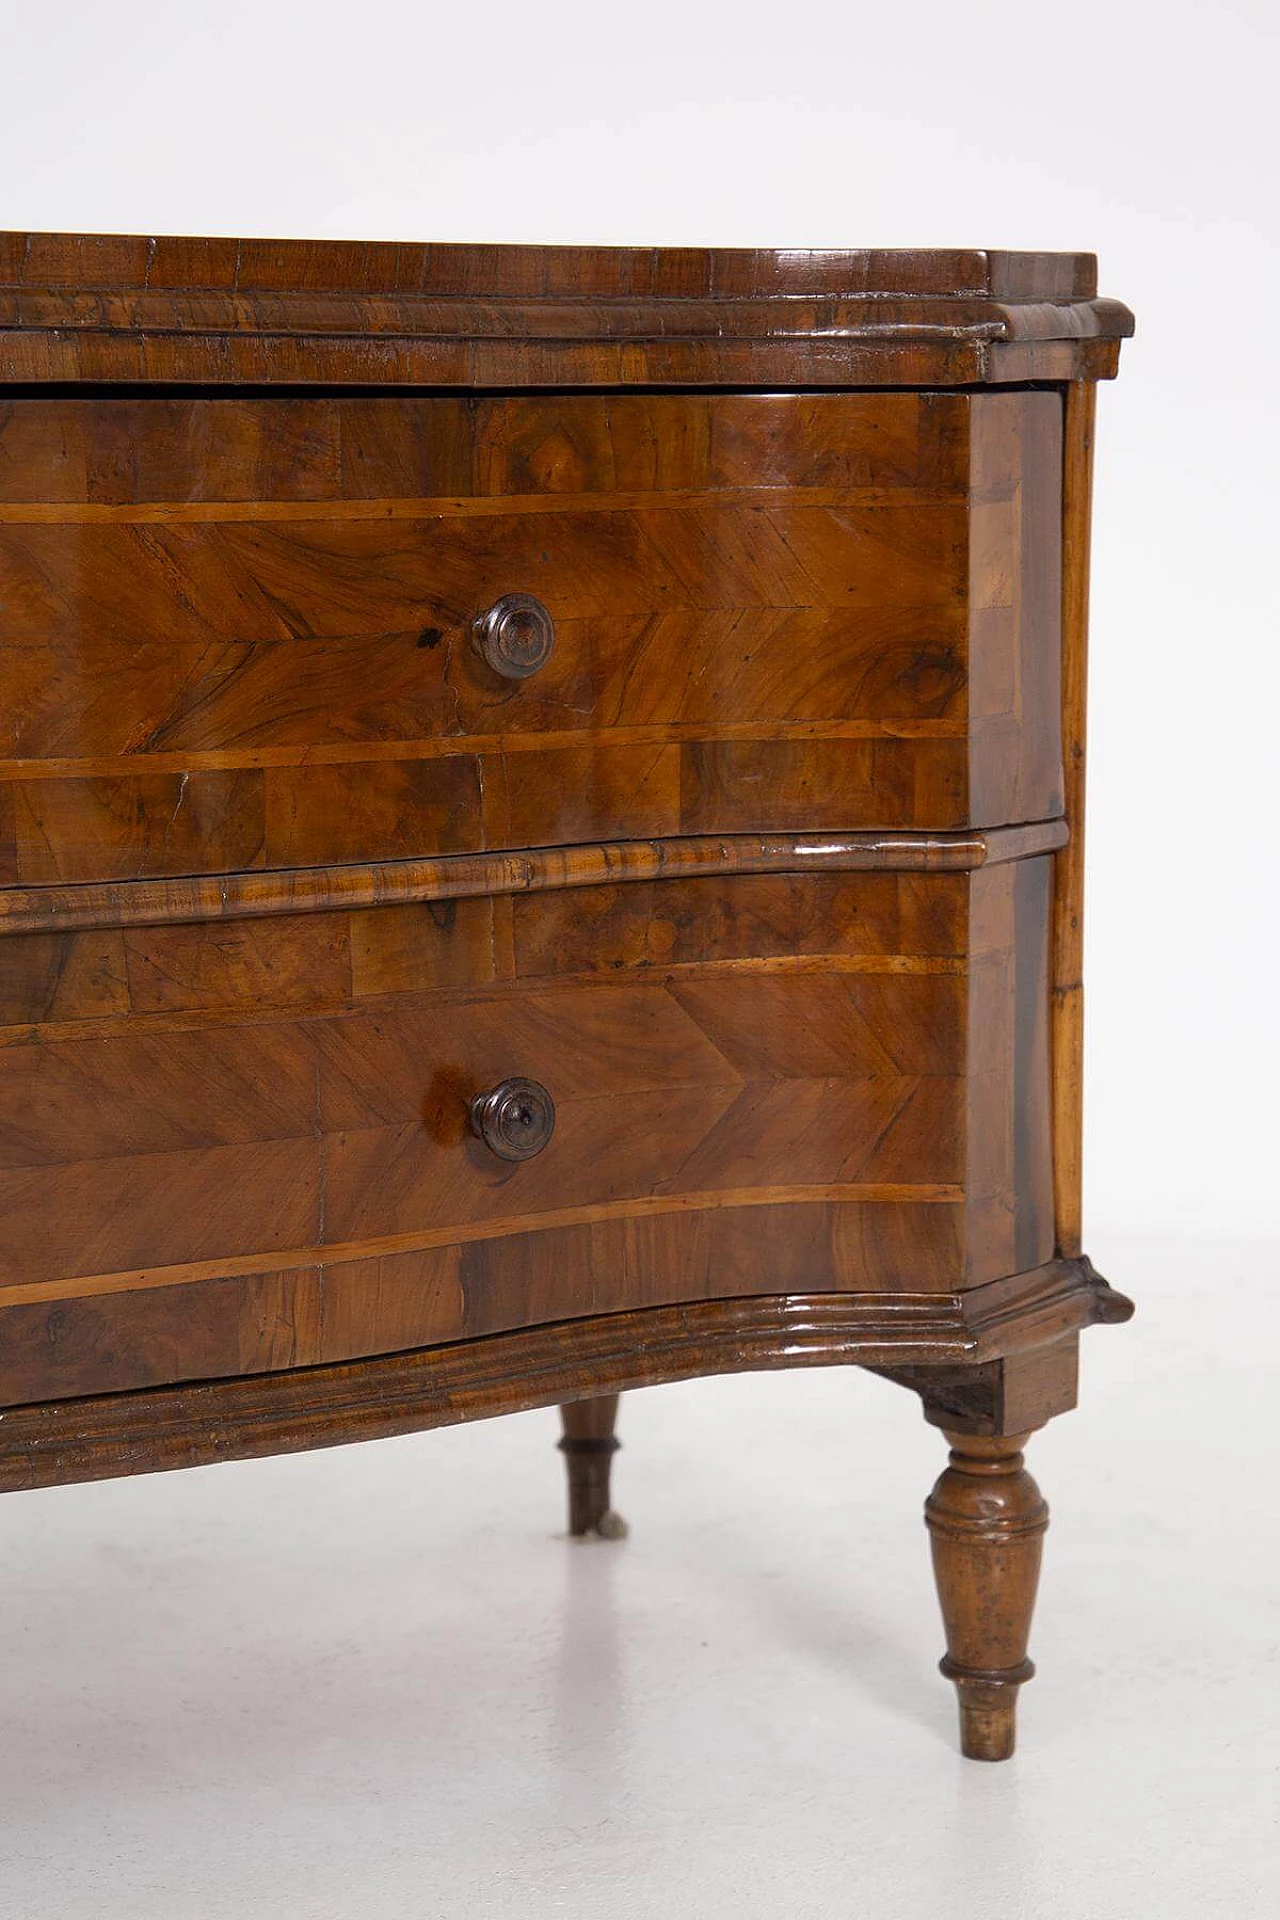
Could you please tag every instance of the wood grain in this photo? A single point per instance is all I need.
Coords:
(540, 869)
(1068, 897)
(1015, 600)
(761, 1081)
(127, 262)
(1009, 1175)
(318, 455)
(151, 1431)
(308, 1309)
(839, 610)
(120, 308)
(659, 1089)
(986, 1521)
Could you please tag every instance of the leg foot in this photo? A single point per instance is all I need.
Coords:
(986, 1522)
(589, 1445)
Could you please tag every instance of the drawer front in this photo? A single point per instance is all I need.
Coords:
(240, 633)
(240, 1146)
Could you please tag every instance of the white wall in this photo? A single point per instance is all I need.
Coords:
(1145, 133)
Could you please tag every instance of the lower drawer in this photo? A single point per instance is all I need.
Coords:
(249, 1145)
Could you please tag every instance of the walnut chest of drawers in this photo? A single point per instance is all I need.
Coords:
(540, 851)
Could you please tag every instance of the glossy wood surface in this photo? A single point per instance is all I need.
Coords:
(986, 1521)
(238, 896)
(990, 1331)
(1068, 899)
(840, 612)
(763, 1082)
(125, 308)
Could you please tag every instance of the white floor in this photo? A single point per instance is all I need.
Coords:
(378, 1682)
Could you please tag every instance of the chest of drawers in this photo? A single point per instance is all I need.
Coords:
(540, 851)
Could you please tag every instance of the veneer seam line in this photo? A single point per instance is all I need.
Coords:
(463, 506)
(425, 1239)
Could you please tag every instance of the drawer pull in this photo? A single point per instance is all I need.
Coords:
(515, 636)
(515, 1119)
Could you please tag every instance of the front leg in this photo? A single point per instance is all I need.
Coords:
(986, 1522)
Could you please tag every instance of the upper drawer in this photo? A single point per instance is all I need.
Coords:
(238, 633)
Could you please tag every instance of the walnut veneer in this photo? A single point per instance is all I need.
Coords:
(540, 851)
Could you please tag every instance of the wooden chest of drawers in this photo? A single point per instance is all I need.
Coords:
(540, 803)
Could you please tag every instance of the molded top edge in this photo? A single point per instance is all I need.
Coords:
(113, 309)
(127, 262)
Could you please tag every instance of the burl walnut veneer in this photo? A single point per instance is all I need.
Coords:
(540, 851)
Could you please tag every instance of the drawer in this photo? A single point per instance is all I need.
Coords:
(239, 1146)
(241, 633)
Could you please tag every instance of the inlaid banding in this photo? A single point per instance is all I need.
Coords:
(540, 869)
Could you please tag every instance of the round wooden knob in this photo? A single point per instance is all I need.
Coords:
(515, 1119)
(515, 636)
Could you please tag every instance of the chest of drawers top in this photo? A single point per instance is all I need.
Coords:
(217, 312)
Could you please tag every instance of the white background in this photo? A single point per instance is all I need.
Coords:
(1148, 135)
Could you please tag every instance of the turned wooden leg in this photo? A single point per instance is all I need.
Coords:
(589, 1445)
(986, 1522)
